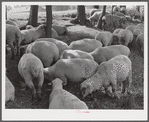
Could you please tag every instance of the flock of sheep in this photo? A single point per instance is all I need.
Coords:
(97, 63)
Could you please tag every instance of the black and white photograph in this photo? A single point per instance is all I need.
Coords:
(74, 60)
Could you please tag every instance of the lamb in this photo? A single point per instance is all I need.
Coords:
(69, 54)
(87, 45)
(117, 70)
(47, 52)
(62, 99)
(9, 91)
(31, 67)
(13, 38)
(31, 35)
(11, 22)
(106, 53)
(72, 70)
(60, 44)
(60, 29)
(140, 43)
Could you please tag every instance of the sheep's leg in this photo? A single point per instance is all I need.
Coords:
(114, 95)
(126, 86)
(29, 83)
(12, 50)
(40, 83)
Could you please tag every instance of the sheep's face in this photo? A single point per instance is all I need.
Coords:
(42, 27)
(86, 88)
(116, 40)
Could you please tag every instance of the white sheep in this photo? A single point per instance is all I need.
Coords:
(31, 35)
(117, 70)
(60, 29)
(87, 45)
(31, 67)
(105, 37)
(106, 53)
(60, 44)
(71, 70)
(46, 51)
(13, 38)
(62, 99)
(68, 54)
(9, 90)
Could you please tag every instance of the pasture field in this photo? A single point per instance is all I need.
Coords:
(76, 32)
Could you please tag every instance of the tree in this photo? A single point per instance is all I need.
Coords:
(48, 21)
(99, 23)
(33, 16)
(81, 17)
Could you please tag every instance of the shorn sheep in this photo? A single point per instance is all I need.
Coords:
(47, 52)
(60, 44)
(13, 38)
(87, 45)
(31, 35)
(106, 53)
(71, 70)
(62, 99)
(69, 54)
(9, 91)
(111, 73)
(30, 67)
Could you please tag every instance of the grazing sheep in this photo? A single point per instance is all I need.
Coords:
(140, 43)
(110, 73)
(13, 38)
(105, 38)
(31, 67)
(11, 22)
(106, 53)
(62, 99)
(31, 35)
(69, 54)
(9, 90)
(131, 28)
(47, 52)
(87, 45)
(60, 44)
(60, 29)
(71, 70)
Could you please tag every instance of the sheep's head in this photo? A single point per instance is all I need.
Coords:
(115, 39)
(29, 27)
(57, 83)
(86, 88)
(42, 27)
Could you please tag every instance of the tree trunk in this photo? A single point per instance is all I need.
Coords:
(81, 15)
(99, 24)
(48, 21)
(33, 15)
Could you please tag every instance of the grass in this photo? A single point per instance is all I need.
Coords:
(101, 101)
